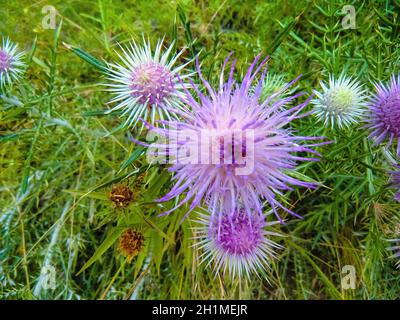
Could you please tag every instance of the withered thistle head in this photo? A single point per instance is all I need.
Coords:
(131, 243)
(121, 195)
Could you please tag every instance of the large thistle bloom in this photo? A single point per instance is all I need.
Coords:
(11, 65)
(341, 102)
(236, 243)
(146, 84)
(384, 113)
(230, 148)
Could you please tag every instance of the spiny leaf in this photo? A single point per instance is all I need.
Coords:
(139, 150)
(88, 58)
(112, 236)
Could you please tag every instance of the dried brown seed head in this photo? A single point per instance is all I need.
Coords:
(131, 242)
(121, 195)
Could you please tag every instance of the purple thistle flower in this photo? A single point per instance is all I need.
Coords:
(5, 61)
(395, 182)
(236, 243)
(11, 65)
(146, 85)
(253, 152)
(396, 249)
(384, 113)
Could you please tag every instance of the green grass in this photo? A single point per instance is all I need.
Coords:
(59, 157)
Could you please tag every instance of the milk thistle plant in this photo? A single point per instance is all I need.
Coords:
(228, 175)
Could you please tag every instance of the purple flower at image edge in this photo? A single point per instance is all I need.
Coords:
(11, 62)
(384, 113)
(395, 182)
(396, 249)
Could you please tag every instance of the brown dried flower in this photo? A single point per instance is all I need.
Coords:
(121, 195)
(131, 242)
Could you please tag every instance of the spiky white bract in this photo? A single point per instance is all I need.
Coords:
(11, 64)
(145, 84)
(274, 83)
(341, 102)
(236, 243)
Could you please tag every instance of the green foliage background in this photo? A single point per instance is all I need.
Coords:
(59, 158)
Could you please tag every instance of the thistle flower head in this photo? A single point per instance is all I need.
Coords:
(131, 242)
(11, 65)
(237, 243)
(121, 196)
(384, 113)
(396, 182)
(341, 102)
(229, 147)
(145, 84)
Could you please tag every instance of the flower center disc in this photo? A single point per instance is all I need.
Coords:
(340, 100)
(238, 234)
(151, 82)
